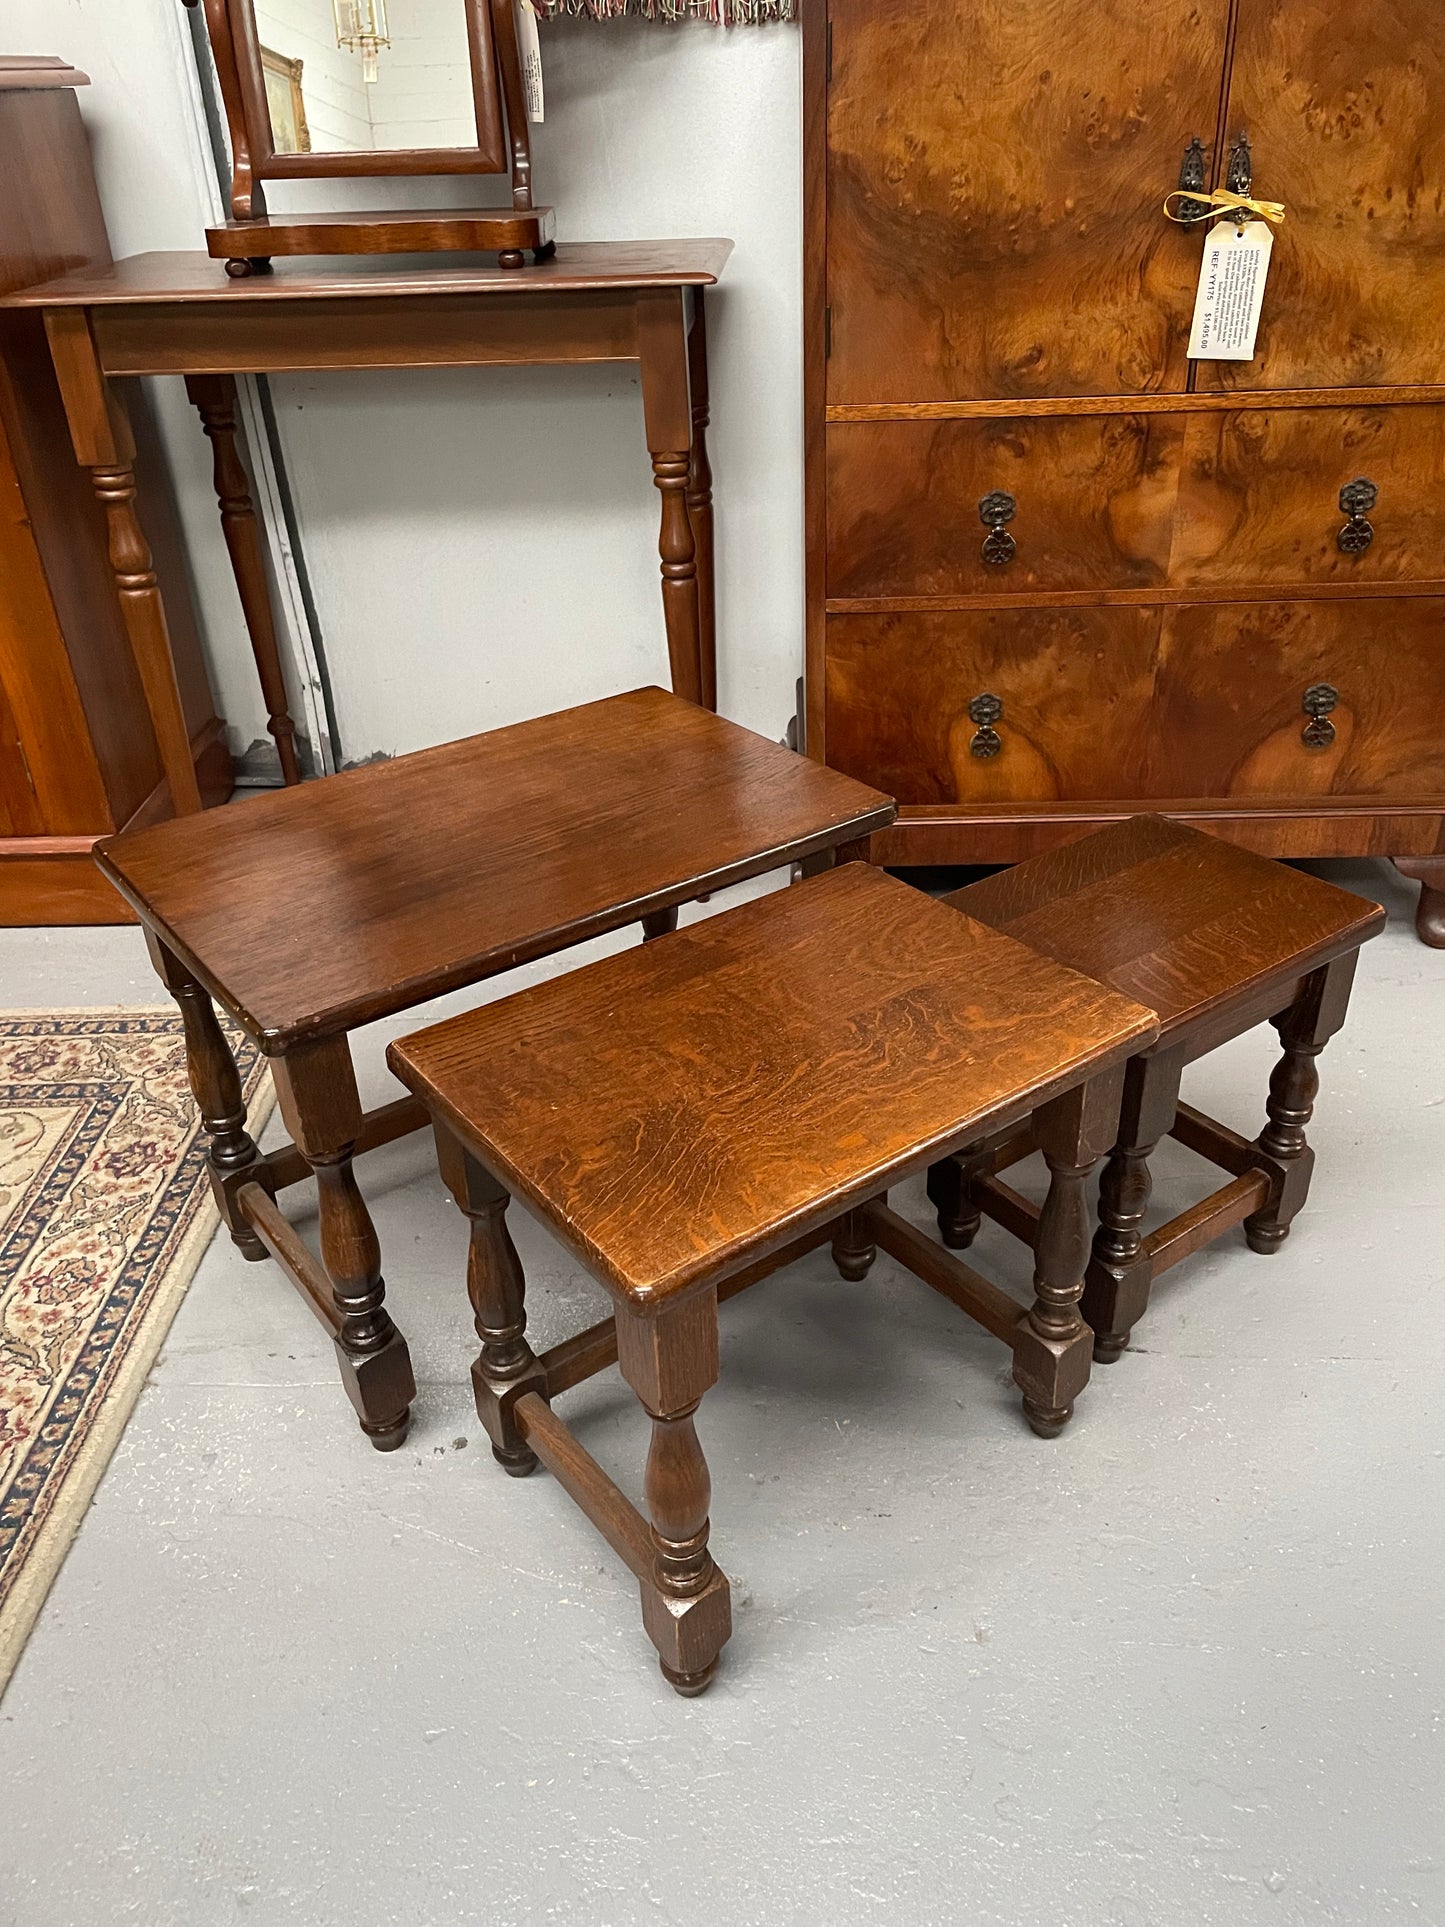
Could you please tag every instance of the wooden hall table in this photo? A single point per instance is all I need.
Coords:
(180, 314)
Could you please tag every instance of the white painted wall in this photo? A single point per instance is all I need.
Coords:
(422, 96)
(482, 544)
(338, 111)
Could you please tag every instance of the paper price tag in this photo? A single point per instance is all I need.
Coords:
(529, 47)
(1231, 292)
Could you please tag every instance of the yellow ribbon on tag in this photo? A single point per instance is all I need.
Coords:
(1222, 201)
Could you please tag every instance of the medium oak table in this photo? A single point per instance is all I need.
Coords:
(180, 314)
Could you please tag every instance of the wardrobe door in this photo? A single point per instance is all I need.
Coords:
(1344, 109)
(996, 173)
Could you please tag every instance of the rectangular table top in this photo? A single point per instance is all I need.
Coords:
(308, 911)
(683, 1108)
(578, 267)
(1188, 923)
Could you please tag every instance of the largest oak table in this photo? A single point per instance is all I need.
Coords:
(179, 314)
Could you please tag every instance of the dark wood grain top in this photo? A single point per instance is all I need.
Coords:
(679, 1109)
(577, 267)
(308, 911)
(1180, 920)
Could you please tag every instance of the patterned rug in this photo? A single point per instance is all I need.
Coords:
(104, 1214)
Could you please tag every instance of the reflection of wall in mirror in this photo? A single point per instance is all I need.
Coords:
(422, 96)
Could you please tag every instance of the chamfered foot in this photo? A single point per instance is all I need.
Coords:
(389, 1434)
(516, 1461)
(689, 1685)
(381, 1387)
(250, 1247)
(1265, 1238)
(1110, 1347)
(1047, 1421)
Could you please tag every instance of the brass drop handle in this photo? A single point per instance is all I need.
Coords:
(1357, 498)
(1319, 699)
(984, 711)
(997, 508)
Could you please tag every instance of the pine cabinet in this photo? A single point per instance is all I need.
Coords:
(1057, 570)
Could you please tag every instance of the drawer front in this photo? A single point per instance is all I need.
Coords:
(1074, 688)
(1173, 702)
(1251, 497)
(912, 505)
(1260, 498)
(1235, 716)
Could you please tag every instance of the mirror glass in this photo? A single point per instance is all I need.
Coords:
(405, 79)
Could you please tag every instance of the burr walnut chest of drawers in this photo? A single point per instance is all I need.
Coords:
(1057, 571)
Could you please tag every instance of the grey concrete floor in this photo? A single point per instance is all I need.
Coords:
(1182, 1666)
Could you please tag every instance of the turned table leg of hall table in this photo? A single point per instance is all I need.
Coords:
(699, 502)
(214, 398)
(667, 404)
(101, 436)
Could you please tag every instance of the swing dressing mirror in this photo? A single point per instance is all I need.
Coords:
(346, 89)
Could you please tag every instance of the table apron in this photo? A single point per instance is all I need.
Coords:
(237, 337)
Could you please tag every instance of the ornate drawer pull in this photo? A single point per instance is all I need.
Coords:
(1319, 699)
(1192, 175)
(996, 508)
(984, 711)
(1239, 175)
(1357, 498)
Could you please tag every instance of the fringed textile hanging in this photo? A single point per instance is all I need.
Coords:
(719, 13)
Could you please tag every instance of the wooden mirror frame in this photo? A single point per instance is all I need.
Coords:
(247, 242)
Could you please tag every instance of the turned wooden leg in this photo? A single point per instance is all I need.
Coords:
(214, 396)
(853, 1246)
(316, 1085)
(679, 573)
(1429, 873)
(699, 504)
(143, 612)
(1053, 1345)
(101, 436)
(506, 1368)
(1304, 1030)
(662, 342)
(950, 1194)
(232, 1157)
(1120, 1274)
(669, 1361)
(659, 923)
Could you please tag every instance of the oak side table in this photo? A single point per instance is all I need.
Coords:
(179, 314)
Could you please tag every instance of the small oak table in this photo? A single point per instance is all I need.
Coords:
(1216, 940)
(179, 314)
(689, 1116)
(309, 912)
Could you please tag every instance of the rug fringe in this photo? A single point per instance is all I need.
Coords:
(724, 13)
